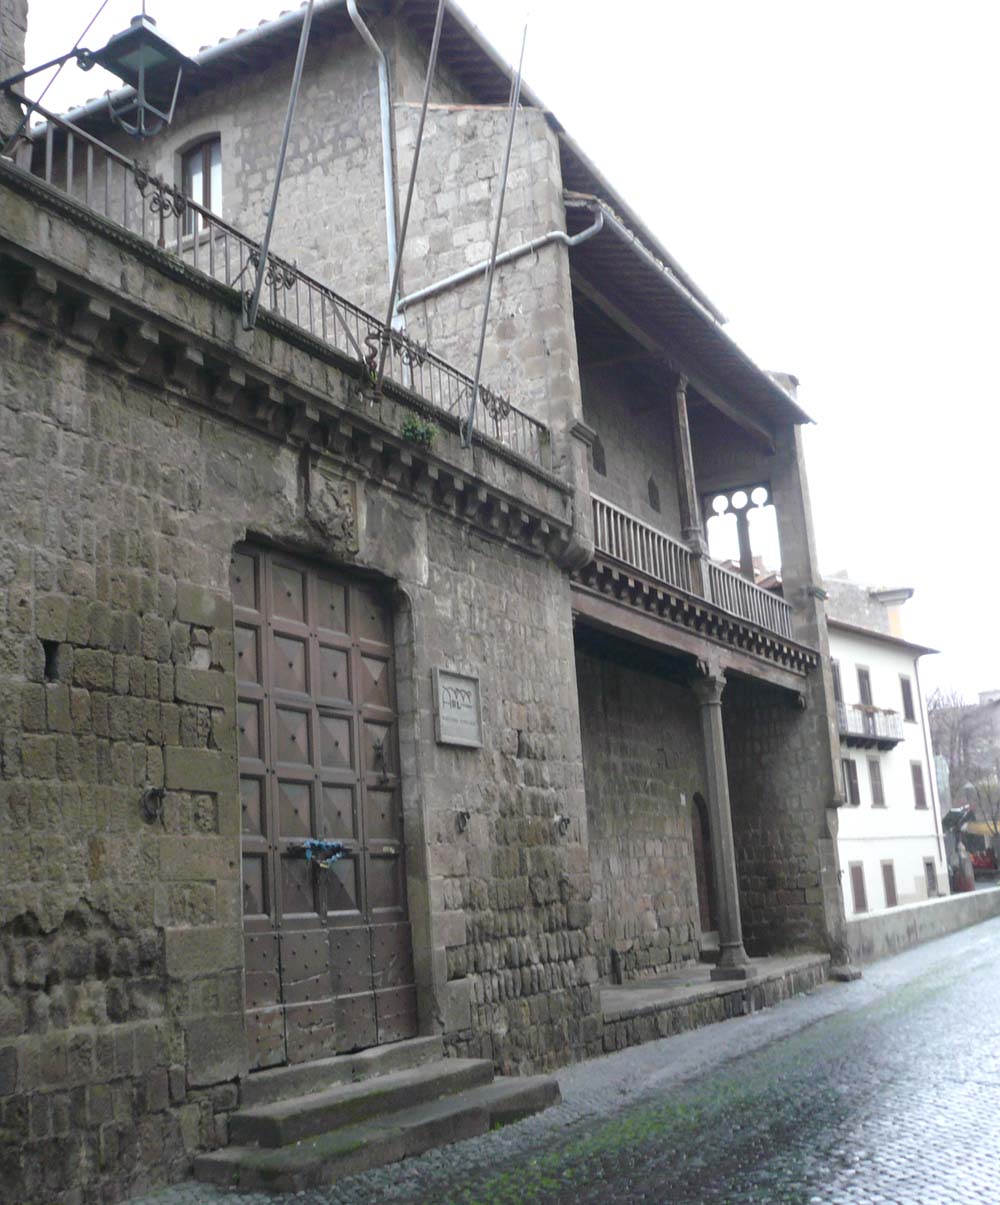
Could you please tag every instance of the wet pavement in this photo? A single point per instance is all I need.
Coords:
(883, 1090)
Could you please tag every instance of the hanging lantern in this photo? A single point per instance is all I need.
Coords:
(145, 60)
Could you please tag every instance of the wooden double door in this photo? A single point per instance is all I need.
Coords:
(327, 942)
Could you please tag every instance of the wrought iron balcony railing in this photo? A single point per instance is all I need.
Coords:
(127, 194)
(625, 538)
(869, 727)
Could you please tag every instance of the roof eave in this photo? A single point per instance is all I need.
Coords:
(854, 630)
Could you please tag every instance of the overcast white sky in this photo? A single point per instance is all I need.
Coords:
(828, 173)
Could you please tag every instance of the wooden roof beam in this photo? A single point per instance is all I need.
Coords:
(659, 348)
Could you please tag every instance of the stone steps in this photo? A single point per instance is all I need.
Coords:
(303, 1079)
(398, 1122)
(302, 1117)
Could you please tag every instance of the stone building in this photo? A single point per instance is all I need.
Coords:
(322, 732)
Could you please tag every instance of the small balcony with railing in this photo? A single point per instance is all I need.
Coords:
(635, 562)
(863, 726)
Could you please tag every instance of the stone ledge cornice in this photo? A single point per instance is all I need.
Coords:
(699, 617)
(214, 374)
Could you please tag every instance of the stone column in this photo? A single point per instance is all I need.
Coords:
(734, 963)
(691, 527)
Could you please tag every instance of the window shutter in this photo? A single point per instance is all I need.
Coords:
(907, 689)
(875, 774)
(858, 887)
(865, 686)
(838, 694)
(851, 789)
(919, 794)
(889, 883)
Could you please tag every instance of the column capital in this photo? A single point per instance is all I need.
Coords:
(708, 686)
(680, 388)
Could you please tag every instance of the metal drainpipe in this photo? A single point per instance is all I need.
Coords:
(385, 109)
(543, 240)
(931, 765)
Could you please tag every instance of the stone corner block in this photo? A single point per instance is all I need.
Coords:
(216, 1049)
(196, 770)
(457, 998)
(201, 606)
(202, 950)
(205, 686)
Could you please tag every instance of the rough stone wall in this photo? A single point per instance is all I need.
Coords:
(513, 893)
(13, 28)
(634, 426)
(530, 352)
(852, 603)
(779, 833)
(331, 207)
(120, 951)
(643, 763)
(121, 1029)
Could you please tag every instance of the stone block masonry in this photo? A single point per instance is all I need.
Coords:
(127, 485)
(13, 28)
(778, 831)
(643, 763)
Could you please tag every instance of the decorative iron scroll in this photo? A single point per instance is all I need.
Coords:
(411, 353)
(495, 404)
(277, 273)
(166, 201)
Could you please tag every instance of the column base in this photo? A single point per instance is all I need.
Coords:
(729, 973)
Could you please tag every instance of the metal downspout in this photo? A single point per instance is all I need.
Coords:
(385, 111)
(506, 257)
(931, 765)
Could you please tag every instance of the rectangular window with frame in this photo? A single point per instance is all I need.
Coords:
(864, 686)
(838, 694)
(930, 877)
(889, 884)
(919, 792)
(875, 777)
(852, 790)
(201, 179)
(906, 687)
(858, 897)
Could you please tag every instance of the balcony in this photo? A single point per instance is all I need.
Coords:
(642, 566)
(865, 727)
(121, 191)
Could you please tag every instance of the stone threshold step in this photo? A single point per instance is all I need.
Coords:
(322, 1159)
(301, 1079)
(288, 1121)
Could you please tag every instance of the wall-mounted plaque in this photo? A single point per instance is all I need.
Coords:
(457, 717)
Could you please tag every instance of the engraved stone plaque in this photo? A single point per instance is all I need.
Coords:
(457, 716)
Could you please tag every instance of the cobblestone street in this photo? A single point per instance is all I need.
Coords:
(886, 1089)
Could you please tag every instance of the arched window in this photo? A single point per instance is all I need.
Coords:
(597, 454)
(654, 494)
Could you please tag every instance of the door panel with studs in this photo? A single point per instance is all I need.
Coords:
(329, 963)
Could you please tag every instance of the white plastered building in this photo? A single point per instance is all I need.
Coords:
(890, 842)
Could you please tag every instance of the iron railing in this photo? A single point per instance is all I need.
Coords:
(126, 193)
(629, 540)
(865, 723)
(739, 596)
